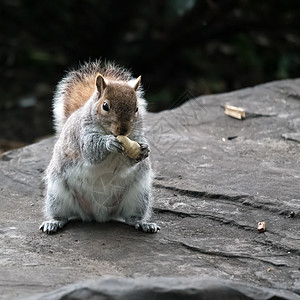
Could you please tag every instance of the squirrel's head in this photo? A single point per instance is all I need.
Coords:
(117, 105)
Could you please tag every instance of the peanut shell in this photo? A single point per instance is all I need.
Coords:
(132, 148)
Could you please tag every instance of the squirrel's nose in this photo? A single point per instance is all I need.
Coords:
(124, 131)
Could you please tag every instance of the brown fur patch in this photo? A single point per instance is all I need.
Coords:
(77, 94)
(78, 86)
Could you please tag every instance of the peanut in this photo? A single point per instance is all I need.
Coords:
(132, 148)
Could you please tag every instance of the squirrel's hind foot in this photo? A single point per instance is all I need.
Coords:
(147, 227)
(53, 226)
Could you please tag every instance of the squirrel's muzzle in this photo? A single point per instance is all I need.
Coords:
(121, 129)
(124, 130)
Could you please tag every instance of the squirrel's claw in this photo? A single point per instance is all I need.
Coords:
(144, 152)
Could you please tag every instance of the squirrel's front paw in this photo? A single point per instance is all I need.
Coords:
(144, 152)
(114, 145)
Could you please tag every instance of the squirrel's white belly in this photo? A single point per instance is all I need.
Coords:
(99, 189)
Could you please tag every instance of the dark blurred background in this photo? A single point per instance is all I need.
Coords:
(183, 49)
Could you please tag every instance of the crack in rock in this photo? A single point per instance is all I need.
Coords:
(243, 199)
(208, 216)
(224, 254)
(200, 194)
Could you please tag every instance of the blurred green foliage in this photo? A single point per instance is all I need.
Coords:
(178, 46)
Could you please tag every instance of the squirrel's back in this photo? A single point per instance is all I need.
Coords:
(79, 85)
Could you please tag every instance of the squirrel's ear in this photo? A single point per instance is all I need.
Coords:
(134, 83)
(101, 83)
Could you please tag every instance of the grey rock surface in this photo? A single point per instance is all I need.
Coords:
(162, 288)
(216, 178)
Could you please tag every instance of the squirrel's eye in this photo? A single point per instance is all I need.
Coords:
(105, 106)
(136, 109)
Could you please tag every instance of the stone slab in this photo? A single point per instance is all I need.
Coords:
(216, 178)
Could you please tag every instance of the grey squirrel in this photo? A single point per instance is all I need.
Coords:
(90, 176)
